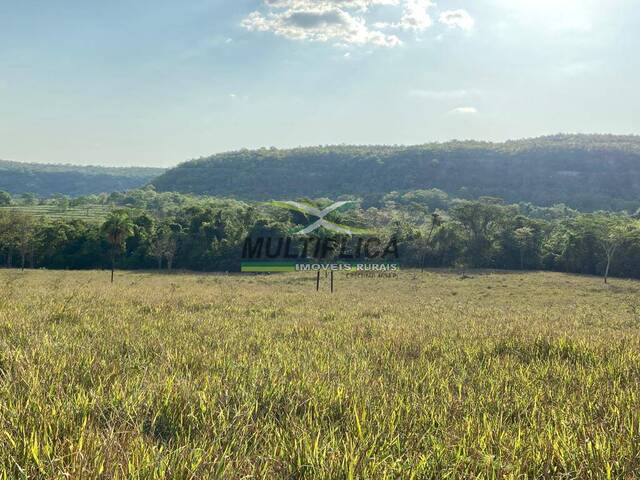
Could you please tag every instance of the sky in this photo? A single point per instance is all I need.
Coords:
(156, 83)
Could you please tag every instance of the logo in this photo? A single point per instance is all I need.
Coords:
(310, 210)
(337, 247)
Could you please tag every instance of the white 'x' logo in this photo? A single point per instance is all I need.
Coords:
(321, 214)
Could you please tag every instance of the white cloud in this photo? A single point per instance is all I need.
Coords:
(319, 25)
(416, 16)
(344, 22)
(328, 4)
(464, 111)
(457, 19)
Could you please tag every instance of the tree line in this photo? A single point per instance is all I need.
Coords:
(208, 235)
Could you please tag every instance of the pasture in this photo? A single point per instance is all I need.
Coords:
(429, 376)
(89, 213)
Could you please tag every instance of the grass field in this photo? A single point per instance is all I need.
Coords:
(426, 376)
(95, 213)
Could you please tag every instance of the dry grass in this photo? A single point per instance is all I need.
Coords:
(428, 376)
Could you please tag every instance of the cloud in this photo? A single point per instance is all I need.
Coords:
(457, 19)
(464, 111)
(344, 22)
(319, 26)
(416, 16)
(361, 5)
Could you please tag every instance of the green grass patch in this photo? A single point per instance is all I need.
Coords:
(239, 376)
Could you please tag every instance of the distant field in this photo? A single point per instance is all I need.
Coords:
(210, 376)
(89, 213)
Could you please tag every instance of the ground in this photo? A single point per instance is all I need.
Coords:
(501, 375)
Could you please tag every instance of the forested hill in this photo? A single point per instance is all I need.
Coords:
(588, 172)
(45, 180)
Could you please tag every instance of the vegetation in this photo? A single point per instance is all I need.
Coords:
(587, 172)
(428, 376)
(73, 180)
(584, 172)
(208, 234)
(116, 229)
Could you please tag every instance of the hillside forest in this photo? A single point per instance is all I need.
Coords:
(585, 172)
(45, 180)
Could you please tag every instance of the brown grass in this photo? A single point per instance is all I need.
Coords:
(427, 376)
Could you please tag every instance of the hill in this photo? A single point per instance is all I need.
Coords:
(588, 172)
(73, 180)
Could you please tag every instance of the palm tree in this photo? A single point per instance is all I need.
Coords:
(117, 228)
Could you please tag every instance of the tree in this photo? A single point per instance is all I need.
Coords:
(523, 237)
(448, 243)
(481, 219)
(5, 198)
(589, 243)
(436, 221)
(610, 244)
(7, 235)
(163, 245)
(171, 247)
(613, 236)
(62, 201)
(29, 198)
(116, 229)
(24, 235)
(157, 248)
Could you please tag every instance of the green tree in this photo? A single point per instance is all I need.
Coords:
(62, 201)
(25, 235)
(614, 233)
(5, 198)
(524, 239)
(29, 198)
(163, 244)
(116, 229)
(482, 220)
(436, 221)
(7, 235)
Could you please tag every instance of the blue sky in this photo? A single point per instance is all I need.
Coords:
(159, 82)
